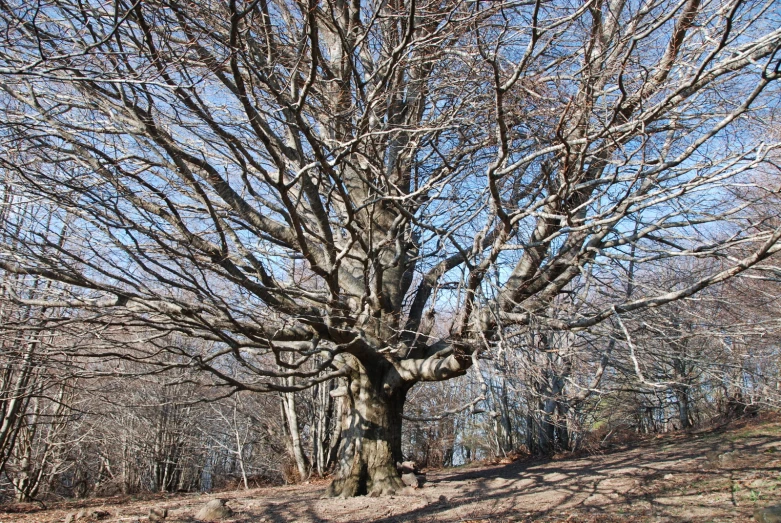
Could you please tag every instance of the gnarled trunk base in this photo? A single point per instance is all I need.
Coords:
(372, 471)
(371, 435)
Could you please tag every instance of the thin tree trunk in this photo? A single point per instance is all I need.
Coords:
(14, 405)
(289, 403)
(562, 425)
(324, 407)
(240, 454)
(336, 434)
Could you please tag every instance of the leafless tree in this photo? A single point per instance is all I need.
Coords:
(383, 185)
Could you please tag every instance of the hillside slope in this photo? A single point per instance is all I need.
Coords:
(704, 477)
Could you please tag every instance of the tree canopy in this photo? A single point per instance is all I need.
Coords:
(378, 190)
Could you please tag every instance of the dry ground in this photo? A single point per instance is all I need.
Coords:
(704, 477)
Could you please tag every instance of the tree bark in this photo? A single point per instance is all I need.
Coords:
(291, 417)
(546, 437)
(323, 405)
(373, 403)
(682, 395)
(335, 439)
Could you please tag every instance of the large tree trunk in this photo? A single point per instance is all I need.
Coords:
(546, 430)
(373, 402)
(684, 416)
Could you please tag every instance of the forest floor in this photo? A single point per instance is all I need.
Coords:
(709, 476)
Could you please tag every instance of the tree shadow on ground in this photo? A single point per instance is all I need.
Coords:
(683, 479)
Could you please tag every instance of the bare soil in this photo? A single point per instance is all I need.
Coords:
(714, 476)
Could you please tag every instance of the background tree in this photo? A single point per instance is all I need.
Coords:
(321, 181)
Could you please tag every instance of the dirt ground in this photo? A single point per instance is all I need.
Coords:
(713, 476)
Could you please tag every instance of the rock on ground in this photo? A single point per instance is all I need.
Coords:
(88, 515)
(157, 515)
(768, 514)
(410, 479)
(413, 480)
(213, 510)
